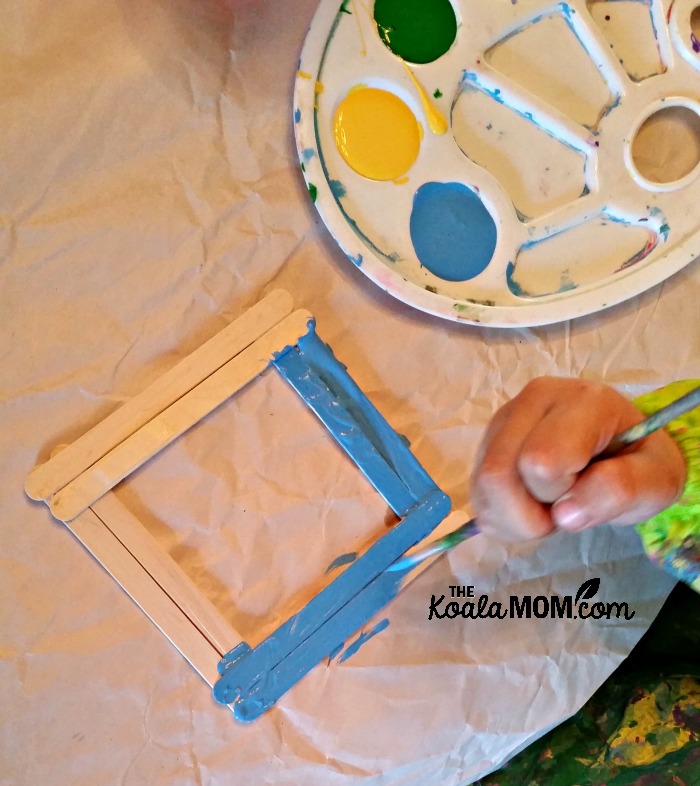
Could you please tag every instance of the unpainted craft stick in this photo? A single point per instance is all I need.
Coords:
(46, 479)
(177, 418)
(164, 613)
(166, 573)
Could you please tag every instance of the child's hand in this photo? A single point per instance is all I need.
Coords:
(532, 474)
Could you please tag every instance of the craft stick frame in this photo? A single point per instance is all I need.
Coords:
(77, 482)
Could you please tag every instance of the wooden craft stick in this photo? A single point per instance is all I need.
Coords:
(46, 479)
(166, 573)
(130, 454)
(165, 614)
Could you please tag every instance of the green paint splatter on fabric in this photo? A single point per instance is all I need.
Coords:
(437, 93)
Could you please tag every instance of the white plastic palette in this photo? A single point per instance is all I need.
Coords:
(545, 102)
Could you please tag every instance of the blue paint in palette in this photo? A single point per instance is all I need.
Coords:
(453, 234)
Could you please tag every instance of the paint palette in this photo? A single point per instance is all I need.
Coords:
(505, 162)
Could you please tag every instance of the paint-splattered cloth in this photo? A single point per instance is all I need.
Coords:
(642, 727)
(672, 538)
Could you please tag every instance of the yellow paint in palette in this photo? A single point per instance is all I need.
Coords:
(376, 133)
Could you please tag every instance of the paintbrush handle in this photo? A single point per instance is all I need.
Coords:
(653, 423)
(622, 440)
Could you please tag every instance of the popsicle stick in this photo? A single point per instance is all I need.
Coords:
(130, 454)
(46, 479)
(166, 573)
(148, 595)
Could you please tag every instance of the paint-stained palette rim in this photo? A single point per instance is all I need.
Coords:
(673, 235)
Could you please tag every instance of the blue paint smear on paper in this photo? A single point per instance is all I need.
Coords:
(335, 652)
(308, 153)
(297, 115)
(453, 234)
(357, 261)
(363, 638)
(343, 559)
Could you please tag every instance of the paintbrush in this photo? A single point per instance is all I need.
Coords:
(625, 438)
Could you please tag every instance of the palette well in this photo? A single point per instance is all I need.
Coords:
(507, 162)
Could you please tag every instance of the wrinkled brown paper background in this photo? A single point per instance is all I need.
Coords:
(150, 192)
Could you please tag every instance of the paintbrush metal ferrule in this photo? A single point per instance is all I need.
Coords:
(629, 436)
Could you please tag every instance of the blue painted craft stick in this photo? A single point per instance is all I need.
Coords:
(629, 436)
(262, 675)
(381, 454)
(254, 679)
(259, 696)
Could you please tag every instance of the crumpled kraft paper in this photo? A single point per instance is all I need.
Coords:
(150, 193)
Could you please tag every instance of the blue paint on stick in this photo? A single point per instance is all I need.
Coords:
(254, 679)
(357, 425)
(453, 234)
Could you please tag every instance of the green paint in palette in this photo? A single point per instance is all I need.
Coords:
(417, 31)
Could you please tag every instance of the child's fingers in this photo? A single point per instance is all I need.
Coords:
(625, 489)
(505, 510)
(538, 450)
(570, 434)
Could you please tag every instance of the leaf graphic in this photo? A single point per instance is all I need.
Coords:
(587, 590)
